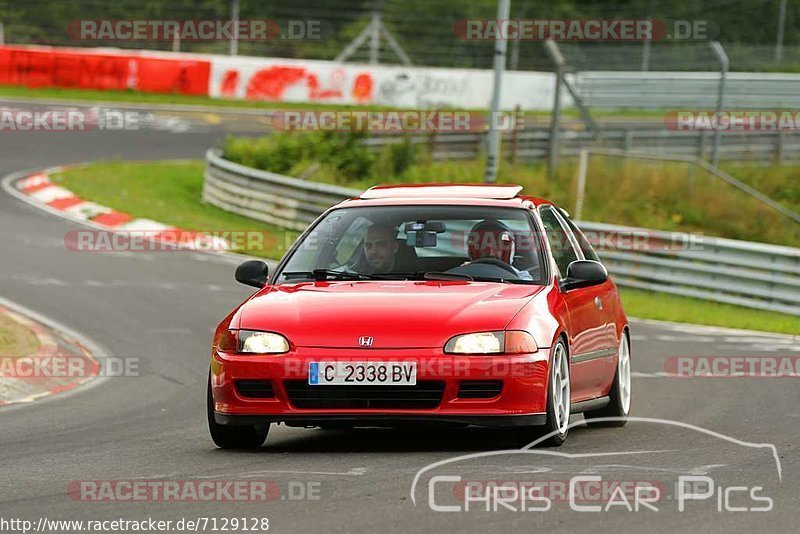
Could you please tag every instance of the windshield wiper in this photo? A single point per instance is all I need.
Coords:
(320, 275)
(436, 275)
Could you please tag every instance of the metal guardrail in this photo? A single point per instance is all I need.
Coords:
(748, 274)
(534, 144)
(687, 90)
(754, 275)
(266, 196)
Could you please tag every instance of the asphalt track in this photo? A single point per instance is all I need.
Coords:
(161, 308)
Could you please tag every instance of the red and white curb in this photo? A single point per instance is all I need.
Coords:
(30, 385)
(41, 191)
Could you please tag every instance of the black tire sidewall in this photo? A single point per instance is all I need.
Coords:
(614, 407)
(233, 437)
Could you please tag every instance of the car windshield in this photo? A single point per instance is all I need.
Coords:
(432, 242)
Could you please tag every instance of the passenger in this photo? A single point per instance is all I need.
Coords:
(493, 239)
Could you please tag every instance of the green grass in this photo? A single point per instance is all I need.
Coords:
(676, 197)
(169, 192)
(16, 340)
(779, 182)
(664, 307)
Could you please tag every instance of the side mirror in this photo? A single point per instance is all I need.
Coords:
(584, 273)
(252, 273)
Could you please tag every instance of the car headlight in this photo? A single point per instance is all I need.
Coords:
(252, 342)
(500, 342)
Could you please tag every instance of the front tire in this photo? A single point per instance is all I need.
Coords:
(233, 437)
(620, 405)
(558, 403)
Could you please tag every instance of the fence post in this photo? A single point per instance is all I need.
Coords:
(233, 45)
(780, 147)
(723, 74)
(493, 137)
(701, 152)
(552, 161)
(626, 146)
(701, 145)
(432, 144)
(647, 42)
(558, 59)
(515, 132)
(375, 38)
(583, 162)
(779, 39)
(514, 59)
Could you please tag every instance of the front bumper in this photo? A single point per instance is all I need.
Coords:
(382, 420)
(521, 400)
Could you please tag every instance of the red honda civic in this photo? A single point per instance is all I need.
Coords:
(456, 304)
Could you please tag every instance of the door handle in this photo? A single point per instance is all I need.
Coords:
(598, 303)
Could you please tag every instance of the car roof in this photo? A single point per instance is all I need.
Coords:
(425, 190)
(445, 193)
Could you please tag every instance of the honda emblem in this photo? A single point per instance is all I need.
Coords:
(365, 341)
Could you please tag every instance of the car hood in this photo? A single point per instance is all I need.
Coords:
(396, 314)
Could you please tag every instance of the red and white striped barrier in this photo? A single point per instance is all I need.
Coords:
(59, 364)
(42, 191)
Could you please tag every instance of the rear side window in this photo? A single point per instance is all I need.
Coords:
(560, 244)
(586, 247)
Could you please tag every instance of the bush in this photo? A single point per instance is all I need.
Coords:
(342, 155)
(277, 153)
(349, 155)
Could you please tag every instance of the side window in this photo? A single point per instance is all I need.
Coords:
(586, 247)
(563, 251)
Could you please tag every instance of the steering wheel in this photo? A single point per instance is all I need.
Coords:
(497, 263)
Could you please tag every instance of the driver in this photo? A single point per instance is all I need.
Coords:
(380, 248)
(493, 239)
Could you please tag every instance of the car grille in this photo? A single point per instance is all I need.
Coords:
(255, 389)
(425, 394)
(479, 389)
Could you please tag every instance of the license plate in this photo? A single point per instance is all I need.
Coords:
(362, 373)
